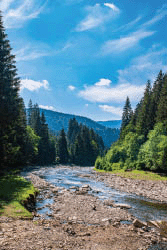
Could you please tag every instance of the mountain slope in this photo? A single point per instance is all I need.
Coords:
(56, 121)
(111, 124)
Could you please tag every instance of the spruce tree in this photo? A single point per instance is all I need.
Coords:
(62, 148)
(127, 114)
(162, 106)
(143, 124)
(155, 96)
(12, 115)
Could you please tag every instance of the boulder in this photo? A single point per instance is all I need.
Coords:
(138, 223)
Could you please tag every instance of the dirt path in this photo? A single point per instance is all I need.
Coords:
(78, 221)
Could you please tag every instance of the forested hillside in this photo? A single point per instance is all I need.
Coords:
(143, 138)
(56, 121)
(80, 146)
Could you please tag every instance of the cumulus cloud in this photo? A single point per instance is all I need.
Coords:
(116, 94)
(71, 87)
(111, 109)
(103, 82)
(97, 15)
(16, 12)
(47, 107)
(125, 43)
(32, 85)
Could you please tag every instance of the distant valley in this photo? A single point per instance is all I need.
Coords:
(111, 124)
(56, 121)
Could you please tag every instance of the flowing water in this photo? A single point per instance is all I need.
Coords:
(67, 177)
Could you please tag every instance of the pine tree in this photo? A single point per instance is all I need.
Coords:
(30, 110)
(144, 117)
(155, 96)
(12, 116)
(162, 106)
(127, 114)
(62, 148)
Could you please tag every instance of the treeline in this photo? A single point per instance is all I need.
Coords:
(143, 139)
(81, 146)
(40, 142)
(25, 142)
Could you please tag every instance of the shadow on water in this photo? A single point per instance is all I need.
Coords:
(66, 177)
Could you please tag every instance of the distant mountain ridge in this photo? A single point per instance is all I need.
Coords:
(56, 121)
(111, 124)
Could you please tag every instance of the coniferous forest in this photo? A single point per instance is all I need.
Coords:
(143, 138)
(25, 138)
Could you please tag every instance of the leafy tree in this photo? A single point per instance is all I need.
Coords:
(13, 120)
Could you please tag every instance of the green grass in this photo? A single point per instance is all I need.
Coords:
(136, 174)
(13, 191)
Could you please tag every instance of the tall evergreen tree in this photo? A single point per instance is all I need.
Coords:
(155, 96)
(127, 114)
(62, 148)
(162, 106)
(30, 110)
(12, 116)
(144, 117)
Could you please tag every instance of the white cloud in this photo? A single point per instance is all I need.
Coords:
(129, 25)
(16, 13)
(125, 43)
(161, 13)
(47, 107)
(71, 87)
(111, 109)
(116, 94)
(4, 4)
(86, 105)
(33, 51)
(112, 6)
(29, 53)
(32, 85)
(103, 82)
(97, 16)
(145, 67)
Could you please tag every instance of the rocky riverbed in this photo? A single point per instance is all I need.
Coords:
(156, 190)
(77, 219)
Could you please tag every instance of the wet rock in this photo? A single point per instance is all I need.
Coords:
(108, 202)
(126, 206)
(138, 223)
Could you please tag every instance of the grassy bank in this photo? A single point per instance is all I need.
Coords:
(136, 174)
(13, 191)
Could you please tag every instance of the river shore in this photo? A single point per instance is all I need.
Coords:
(80, 221)
(156, 190)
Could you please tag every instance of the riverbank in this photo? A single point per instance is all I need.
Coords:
(153, 189)
(78, 220)
(16, 194)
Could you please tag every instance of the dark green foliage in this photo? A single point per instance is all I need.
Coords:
(143, 140)
(46, 145)
(12, 116)
(62, 148)
(83, 143)
(162, 105)
(143, 124)
(126, 115)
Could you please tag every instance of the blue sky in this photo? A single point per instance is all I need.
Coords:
(86, 57)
